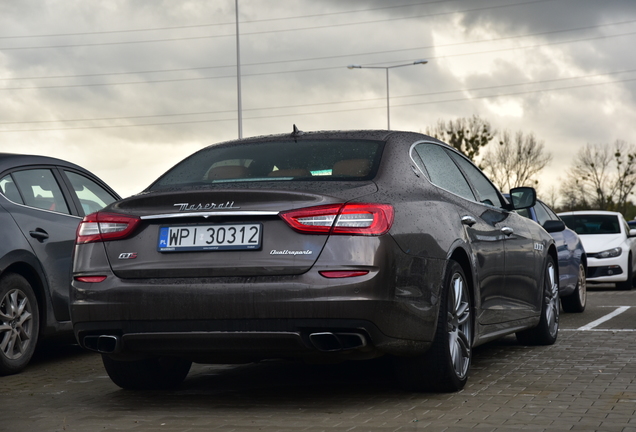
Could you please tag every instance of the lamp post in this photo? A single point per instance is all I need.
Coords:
(238, 74)
(386, 68)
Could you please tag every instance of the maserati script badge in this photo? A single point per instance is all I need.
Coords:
(207, 206)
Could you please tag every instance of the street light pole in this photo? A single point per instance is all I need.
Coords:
(386, 68)
(238, 74)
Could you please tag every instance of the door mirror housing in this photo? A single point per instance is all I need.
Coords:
(554, 226)
(523, 197)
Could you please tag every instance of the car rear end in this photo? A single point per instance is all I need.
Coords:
(242, 252)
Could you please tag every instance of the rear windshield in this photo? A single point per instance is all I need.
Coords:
(593, 224)
(351, 160)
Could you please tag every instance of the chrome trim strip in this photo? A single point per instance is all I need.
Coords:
(208, 214)
(43, 210)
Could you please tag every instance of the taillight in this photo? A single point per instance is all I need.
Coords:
(352, 219)
(97, 227)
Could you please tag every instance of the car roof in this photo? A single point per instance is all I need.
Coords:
(589, 212)
(14, 160)
(370, 134)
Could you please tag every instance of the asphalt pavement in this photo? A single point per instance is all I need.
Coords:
(585, 382)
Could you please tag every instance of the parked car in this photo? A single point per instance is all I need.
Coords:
(572, 258)
(609, 243)
(42, 201)
(315, 246)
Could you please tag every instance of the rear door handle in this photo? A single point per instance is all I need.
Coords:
(507, 230)
(468, 220)
(39, 234)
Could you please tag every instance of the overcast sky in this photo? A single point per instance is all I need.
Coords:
(129, 88)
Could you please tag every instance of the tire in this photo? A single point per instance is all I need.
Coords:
(19, 323)
(548, 329)
(575, 302)
(627, 284)
(444, 368)
(149, 374)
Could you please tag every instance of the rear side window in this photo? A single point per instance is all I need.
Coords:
(38, 188)
(442, 171)
(351, 160)
(10, 190)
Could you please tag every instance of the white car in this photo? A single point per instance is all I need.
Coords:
(609, 243)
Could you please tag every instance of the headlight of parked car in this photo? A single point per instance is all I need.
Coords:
(610, 253)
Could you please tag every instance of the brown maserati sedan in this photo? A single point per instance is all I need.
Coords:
(313, 246)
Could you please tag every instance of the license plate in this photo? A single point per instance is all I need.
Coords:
(210, 237)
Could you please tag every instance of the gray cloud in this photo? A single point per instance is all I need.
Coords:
(182, 85)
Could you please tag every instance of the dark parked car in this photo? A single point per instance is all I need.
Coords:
(42, 201)
(315, 246)
(572, 257)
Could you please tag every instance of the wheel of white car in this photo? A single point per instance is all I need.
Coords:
(19, 323)
(546, 332)
(576, 301)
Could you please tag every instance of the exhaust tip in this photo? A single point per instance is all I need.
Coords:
(330, 342)
(105, 344)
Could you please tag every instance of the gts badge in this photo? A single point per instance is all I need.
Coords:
(538, 246)
(128, 255)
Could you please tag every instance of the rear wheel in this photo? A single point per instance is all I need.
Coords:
(576, 301)
(19, 323)
(548, 329)
(445, 366)
(148, 374)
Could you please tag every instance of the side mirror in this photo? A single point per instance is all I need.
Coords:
(632, 233)
(556, 226)
(523, 197)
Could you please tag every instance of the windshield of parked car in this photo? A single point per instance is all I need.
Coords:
(315, 160)
(593, 224)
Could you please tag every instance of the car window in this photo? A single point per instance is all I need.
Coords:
(592, 224)
(39, 189)
(487, 192)
(524, 212)
(10, 190)
(551, 213)
(314, 160)
(542, 215)
(442, 171)
(91, 195)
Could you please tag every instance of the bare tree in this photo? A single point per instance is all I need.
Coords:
(625, 165)
(591, 173)
(515, 162)
(467, 135)
(602, 177)
(551, 197)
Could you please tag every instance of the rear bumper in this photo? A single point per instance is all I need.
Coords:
(243, 319)
(221, 342)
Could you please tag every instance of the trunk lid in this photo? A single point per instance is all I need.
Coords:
(229, 230)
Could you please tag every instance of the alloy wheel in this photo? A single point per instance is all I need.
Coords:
(459, 325)
(16, 324)
(552, 300)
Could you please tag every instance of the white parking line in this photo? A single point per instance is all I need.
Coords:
(609, 316)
